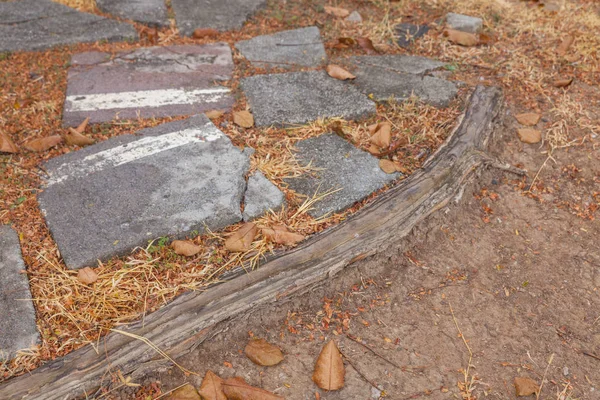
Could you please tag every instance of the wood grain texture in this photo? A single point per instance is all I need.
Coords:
(180, 326)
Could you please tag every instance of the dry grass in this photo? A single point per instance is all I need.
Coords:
(81, 5)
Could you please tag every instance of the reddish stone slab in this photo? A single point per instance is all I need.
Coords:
(148, 82)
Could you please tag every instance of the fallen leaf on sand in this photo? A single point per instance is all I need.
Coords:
(337, 72)
(525, 386)
(280, 234)
(261, 352)
(87, 276)
(214, 114)
(6, 145)
(185, 248)
(204, 33)
(329, 368)
(241, 240)
(367, 45)
(383, 136)
(237, 389)
(528, 135)
(564, 45)
(43, 144)
(212, 387)
(243, 119)
(74, 138)
(187, 392)
(528, 119)
(560, 83)
(387, 166)
(462, 38)
(337, 11)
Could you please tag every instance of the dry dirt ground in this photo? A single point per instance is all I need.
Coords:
(517, 273)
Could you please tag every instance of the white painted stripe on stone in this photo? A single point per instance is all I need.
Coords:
(143, 99)
(134, 151)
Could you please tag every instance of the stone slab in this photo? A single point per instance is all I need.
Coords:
(148, 82)
(285, 49)
(149, 12)
(383, 77)
(464, 23)
(108, 198)
(261, 196)
(340, 166)
(18, 329)
(28, 25)
(300, 97)
(223, 15)
(407, 33)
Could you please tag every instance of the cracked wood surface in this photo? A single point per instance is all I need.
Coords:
(180, 326)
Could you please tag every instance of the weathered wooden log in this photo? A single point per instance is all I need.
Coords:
(183, 324)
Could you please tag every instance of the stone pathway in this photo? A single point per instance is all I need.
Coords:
(149, 12)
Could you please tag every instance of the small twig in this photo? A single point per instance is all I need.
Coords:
(538, 174)
(358, 371)
(171, 391)
(537, 395)
(585, 353)
(354, 339)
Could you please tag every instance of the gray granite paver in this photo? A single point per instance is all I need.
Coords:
(464, 23)
(300, 97)
(148, 82)
(261, 196)
(149, 12)
(285, 49)
(223, 15)
(338, 165)
(29, 25)
(18, 329)
(108, 198)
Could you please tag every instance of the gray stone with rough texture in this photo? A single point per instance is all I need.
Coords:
(339, 165)
(27, 25)
(149, 12)
(383, 77)
(108, 198)
(148, 82)
(354, 17)
(300, 97)
(285, 49)
(407, 33)
(223, 15)
(18, 329)
(261, 196)
(464, 23)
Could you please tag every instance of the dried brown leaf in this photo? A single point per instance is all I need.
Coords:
(387, 166)
(462, 38)
(6, 145)
(214, 114)
(243, 119)
(82, 126)
(374, 149)
(43, 144)
(367, 45)
(185, 248)
(525, 386)
(261, 352)
(564, 45)
(280, 234)
(237, 389)
(337, 72)
(329, 368)
(383, 136)
(528, 119)
(347, 41)
(187, 392)
(528, 135)
(201, 33)
(87, 276)
(212, 387)
(337, 11)
(74, 138)
(241, 240)
(560, 83)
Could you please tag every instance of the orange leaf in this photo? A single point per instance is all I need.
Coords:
(43, 144)
(329, 368)
(387, 166)
(82, 126)
(337, 11)
(528, 119)
(186, 392)
(560, 83)
(530, 136)
(205, 33)
(525, 386)
(73, 137)
(367, 45)
(237, 389)
(564, 45)
(87, 276)
(212, 387)
(261, 352)
(6, 145)
(383, 136)
(462, 38)
(243, 119)
(214, 114)
(337, 72)
(280, 234)
(185, 248)
(241, 240)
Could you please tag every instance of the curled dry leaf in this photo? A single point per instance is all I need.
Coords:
(525, 386)
(261, 352)
(329, 369)
(337, 72)
(82, 126)
(374, 150)
(87, 276)
(186, 392)
(43, 144)
(347, 41)
(74, 138)
(530, 136)
(337, 11)
(367, 45)
(241, 240)
(387, 166)
(564, 45)
(201, 33)
(280, 234)
(214, 114)
(528, 119)
(212, 387)
(6, 145)
(383, 136)
(185, 248)
(243, 119)
(462, 38)
(237, 389)
(560, 83)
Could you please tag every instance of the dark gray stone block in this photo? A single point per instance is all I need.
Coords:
(149, 12)
(18, 329)
(261, 196)
(223, 15)
(300, 97)
(40, 24)
(339, 165)
(285, 49)
(464, 23)
(148, 82)
(106, 199)
(407, 33)
(400, 63)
